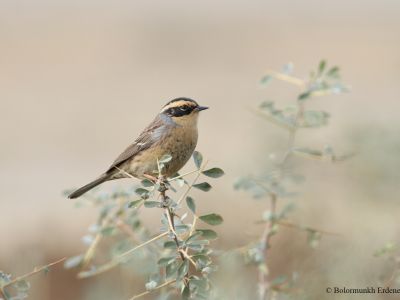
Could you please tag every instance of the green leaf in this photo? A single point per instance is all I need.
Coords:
(313, 238)
(266, 79)
(151, 285)
(170, 245)
(279, 280)
(136, 203)
(194, 236)
(165, 158)
(4, 278)
(212, 219)
(108, 231)
(282, 118)
(166, 261)
(288, 68)
(204, 186)
(201, 260)
(333, 72)
(22, 286)
(143, 193)
(147, 183)
(214, 172)
(198, 159)
(387, 248)
(73, 262)
(183, 269)
(314, 118)
(267, 216)
(186, 293)
(304, 96)
(150, 204)
(198, 242)
(191, 204)
(308, 152)
(200, 284)
(207, 234)
(182, 228)
(321, 66)
(171, 268)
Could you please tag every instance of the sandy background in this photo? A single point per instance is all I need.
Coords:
(80, 80)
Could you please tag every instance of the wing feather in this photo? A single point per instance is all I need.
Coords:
(146, 140)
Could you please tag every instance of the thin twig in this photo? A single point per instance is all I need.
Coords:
(170, 216)
(183, 175)
(263, 284)
(265, 242)
(291, 79)
(295, 226)
(3, 294)
(185, 254)
(117, 260)
(35, 271)
(127, 230)
(125, 173)
(92, 248)
(148, 292)
(193, 182)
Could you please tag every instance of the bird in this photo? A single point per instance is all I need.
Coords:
(172, 133)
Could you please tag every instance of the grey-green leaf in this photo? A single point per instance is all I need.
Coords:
(304, 96)
(212, 219)
(308, 152)
(333, 72)
(321, 66)
(136, 203)
(266, 79)
(170, 245)
(191, 204)
(186, 293)
(166, 260)
(207, 234)
(146, 183)
(214, 172)
(198, 159)
(183, 269)
(22, 286)
(150, 204)
(143, 193)
(151, 285)
(171, 269)
(204, 186)
(165, 158)
(73, 262)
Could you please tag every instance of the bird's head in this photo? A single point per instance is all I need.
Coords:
(183, 111)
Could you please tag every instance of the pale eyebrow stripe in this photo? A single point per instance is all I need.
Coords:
(177, 104)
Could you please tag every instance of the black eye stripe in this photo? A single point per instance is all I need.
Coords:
(179, 111)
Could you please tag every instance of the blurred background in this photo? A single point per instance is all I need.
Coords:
(81, 79)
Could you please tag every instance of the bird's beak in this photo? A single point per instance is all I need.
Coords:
(199, 108)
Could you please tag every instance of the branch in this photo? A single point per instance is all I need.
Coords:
(291, 79)
(155, 289)
(35, 271)
(117, 260)
(296, 226)
(170, 216)
(193, 182)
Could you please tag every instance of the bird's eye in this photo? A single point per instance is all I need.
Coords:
(183, 108)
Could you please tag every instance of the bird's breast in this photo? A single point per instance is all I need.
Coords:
(177, 141)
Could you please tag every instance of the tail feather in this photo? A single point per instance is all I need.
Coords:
(79, 192)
